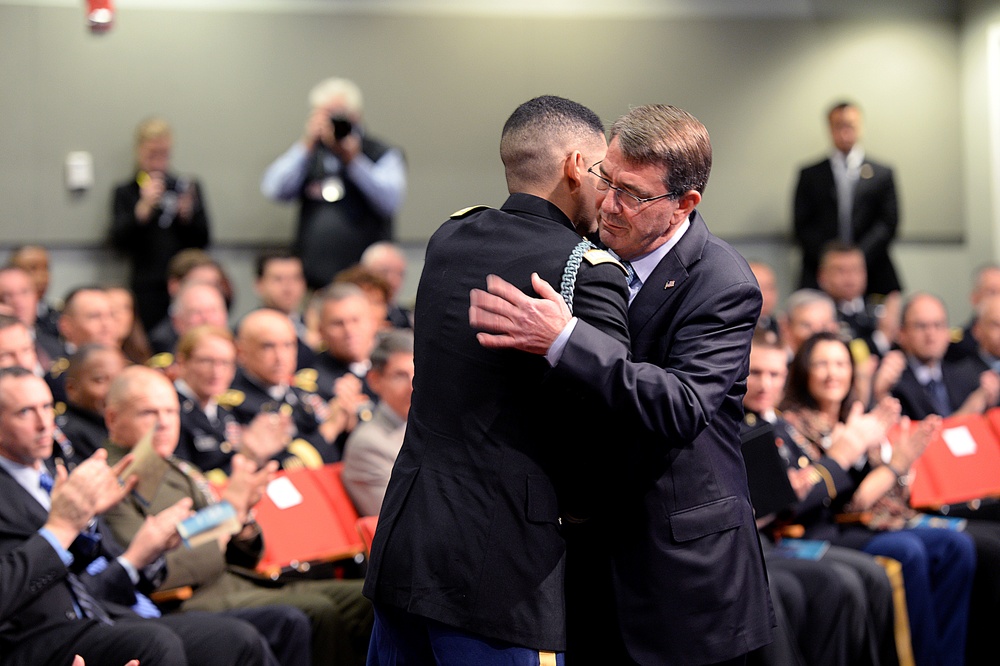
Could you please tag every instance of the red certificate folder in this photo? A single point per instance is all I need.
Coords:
(307, 517)
(960, 464)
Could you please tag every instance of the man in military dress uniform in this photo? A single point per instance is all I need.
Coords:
(210, 432)
(266, 355)
(90, 373)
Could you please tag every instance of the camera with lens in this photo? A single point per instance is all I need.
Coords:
(342, 127)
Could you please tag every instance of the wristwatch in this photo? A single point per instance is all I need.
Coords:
(902, 479)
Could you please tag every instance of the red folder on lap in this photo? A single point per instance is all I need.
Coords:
(306, 516)
(959, 465)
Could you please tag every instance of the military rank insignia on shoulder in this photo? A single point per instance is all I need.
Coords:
(232, 398)
(307, 379)
(161, 361)
(459, 214)
(596, 256)
(60, 366)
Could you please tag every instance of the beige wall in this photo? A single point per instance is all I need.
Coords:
(440, 85)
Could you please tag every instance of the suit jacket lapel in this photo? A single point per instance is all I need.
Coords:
(668, 277)
(21, 513)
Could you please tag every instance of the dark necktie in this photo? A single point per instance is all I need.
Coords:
(938, 394)
(87, 605)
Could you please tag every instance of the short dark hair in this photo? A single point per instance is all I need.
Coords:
(392, 341)
(76, 291)
(530, 133)
(277, 254)
(840, 106)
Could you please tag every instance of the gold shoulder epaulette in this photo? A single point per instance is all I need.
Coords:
(957, 334)
(232, 398)
(459, 214)
(306, 379)
(595, 257)
(58, 367)
(306, 453)
(161, 361)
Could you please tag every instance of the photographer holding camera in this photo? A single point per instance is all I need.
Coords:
(349, 185)
(155, 215)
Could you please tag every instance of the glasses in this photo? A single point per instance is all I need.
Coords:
(626, 198)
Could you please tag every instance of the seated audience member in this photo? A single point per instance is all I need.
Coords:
(928, 383)
(963, 340)
(347, 334)
(188, 266)
(827, 423)
(265, 355)
(807, 312)
(91, 370)
(386, 260)
(843, 276)
(859, 628)
(34, 259)
(81, 610)
(375, 287)
(16, 346)
(86, 319)
(768, 284)
(986, 331)
(129, 332)
(810, 311)
(281, 286)
(372, 446)
(196, 304)
(17, 292)
(210, 433)
(341, 617)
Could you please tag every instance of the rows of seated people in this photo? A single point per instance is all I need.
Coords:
(227, 408)
(851, 390)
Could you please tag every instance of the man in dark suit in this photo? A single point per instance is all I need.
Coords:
(74, 611)
(847, 197)
(931, 384)
(468, 561)
(685, 561)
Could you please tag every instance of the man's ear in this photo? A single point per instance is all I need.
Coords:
(574, 169)
(686, 203)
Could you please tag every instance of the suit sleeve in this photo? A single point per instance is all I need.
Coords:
(874, 242)
(806, 216)
(601, 300)
(706, 356)
(25, 572)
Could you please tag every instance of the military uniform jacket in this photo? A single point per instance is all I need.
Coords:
(469, 531)
(308, 411)
(328, 370)
(84, 431)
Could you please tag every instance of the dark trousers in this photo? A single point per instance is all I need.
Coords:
(403, 639)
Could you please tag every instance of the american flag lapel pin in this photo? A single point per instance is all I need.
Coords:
(669, 284)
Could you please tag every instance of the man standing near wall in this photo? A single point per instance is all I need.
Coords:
(850, 198)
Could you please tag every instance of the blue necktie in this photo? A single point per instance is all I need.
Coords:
(634, 283)
(46, 481)
(938, 394)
